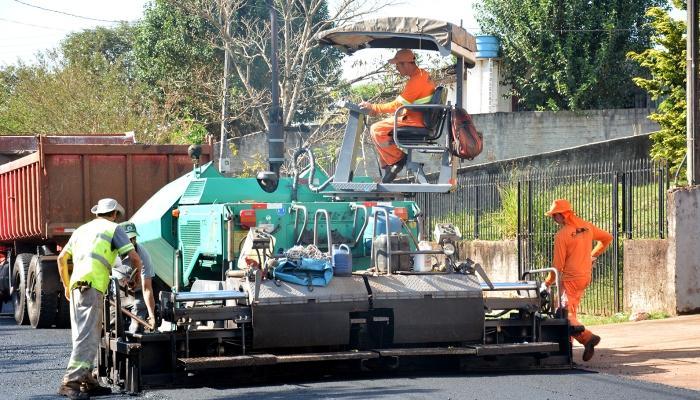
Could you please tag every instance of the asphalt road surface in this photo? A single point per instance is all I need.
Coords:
(32, 364)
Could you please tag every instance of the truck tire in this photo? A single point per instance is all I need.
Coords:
(42, 292)
(19, 278)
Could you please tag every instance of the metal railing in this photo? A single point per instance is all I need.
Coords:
(627, 200)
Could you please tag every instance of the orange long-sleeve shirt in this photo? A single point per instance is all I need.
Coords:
(573, 249)
(418, 90)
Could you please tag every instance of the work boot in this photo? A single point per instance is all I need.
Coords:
(72, 391)
(92, 387)
(576, 329)
(392, 171)
(589, 348)
(97, 390)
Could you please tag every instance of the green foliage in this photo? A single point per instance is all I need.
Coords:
(177, 62)
(100, 49)
(188, 131)
(666, 60)
(55, 97)
(570, 54)
(161, 77)
(588, 320)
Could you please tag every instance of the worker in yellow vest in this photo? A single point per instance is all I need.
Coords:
(92, 248)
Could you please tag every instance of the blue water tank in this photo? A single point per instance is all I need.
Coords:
(487, 46)
(395, 226)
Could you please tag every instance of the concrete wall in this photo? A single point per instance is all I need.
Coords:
(648, 280)
(517, 134)
(684, 246)
(543, 137)
(498, 258)
(613, 151)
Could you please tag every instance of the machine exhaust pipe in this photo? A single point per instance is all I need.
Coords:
(269, 180)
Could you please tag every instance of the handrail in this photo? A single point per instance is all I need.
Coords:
(557, 280)
(356, 207)
(328, 228)
(296, 208)
(387, 226)
(312, 165)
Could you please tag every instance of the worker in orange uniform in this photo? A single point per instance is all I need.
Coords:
(419, 90)
(574, 256)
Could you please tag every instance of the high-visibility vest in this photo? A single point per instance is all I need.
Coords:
(93, 257)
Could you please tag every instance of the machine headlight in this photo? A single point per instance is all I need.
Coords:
(449, 249)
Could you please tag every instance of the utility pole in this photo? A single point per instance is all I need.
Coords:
(692, 106)
(224, 153)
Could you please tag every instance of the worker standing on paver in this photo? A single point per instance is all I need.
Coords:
(574, 256)
(92, 248)
(141, 297)
(419, 90)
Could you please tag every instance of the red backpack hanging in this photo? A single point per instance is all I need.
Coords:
(467, 142)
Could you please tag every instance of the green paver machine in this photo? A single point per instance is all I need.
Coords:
(215, 241)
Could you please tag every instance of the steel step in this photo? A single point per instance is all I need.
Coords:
(515, 348)
(200, 363)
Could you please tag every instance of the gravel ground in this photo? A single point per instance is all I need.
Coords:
(33, 362)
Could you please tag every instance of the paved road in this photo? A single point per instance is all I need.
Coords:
(664, 351)
(32, 363)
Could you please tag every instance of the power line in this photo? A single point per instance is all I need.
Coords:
(34, 26)
(67, 13)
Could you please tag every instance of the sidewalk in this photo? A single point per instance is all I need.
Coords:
(665, 351)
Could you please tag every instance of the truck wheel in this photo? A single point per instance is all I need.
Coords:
(42, 293)
(19, 278)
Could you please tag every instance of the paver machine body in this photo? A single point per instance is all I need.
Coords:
(211, 238)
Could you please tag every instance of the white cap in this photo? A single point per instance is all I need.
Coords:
(107, 205)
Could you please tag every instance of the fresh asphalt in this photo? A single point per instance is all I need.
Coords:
(32, 363)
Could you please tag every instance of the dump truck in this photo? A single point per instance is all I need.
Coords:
(46, 195)
(276, 271)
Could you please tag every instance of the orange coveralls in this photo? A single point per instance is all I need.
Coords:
(572, 258)
(419, 90)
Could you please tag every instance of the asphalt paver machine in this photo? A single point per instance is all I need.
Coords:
(215, 241)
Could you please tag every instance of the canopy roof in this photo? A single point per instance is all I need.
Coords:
(404, 33)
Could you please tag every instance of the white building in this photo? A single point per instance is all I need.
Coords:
(483, 92)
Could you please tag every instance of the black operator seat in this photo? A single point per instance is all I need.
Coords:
(433, 118)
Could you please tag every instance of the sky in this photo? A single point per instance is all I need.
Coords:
(25, 30)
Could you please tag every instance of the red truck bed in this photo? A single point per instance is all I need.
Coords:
(49, 193)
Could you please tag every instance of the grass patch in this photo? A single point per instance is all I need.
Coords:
(589, 320)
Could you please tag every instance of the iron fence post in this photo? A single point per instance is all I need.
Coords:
(527, 263)
(518, 235)
(476, 212)
(660, 202)
(615, 243)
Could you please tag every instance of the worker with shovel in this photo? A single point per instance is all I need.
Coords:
(574, 256)
(92, 248)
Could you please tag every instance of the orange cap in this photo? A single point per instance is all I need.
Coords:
(405, 55)
(558, 206)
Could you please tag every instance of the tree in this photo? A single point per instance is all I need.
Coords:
(100, 48)
(666, 60)
(56, 97)
(307, 73)
(176, 62)
(569, 54)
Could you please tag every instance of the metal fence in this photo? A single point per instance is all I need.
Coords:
(628, 201)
